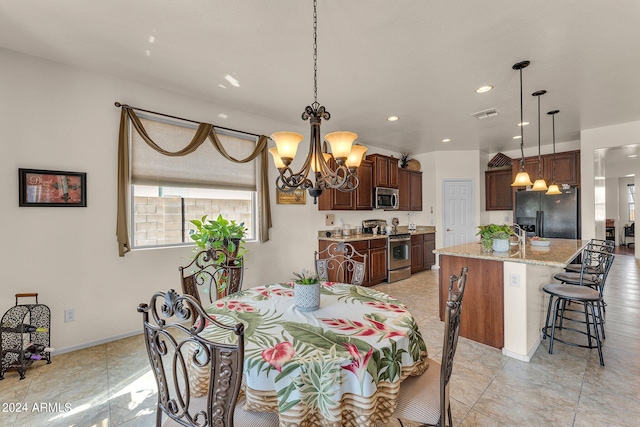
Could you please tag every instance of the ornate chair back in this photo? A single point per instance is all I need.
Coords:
(212, 274)
(172, 324)
(450, 343)
(340, 262)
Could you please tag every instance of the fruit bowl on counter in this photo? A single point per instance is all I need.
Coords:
(540, 241)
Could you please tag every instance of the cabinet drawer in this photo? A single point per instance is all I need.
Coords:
(377, 243)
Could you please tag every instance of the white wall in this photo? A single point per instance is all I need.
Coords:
(60, 117)
(592, 139)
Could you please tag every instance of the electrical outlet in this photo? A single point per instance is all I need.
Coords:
(70, 315)
(329, 219)
(514, 280)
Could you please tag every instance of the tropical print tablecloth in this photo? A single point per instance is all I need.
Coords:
(340, 365)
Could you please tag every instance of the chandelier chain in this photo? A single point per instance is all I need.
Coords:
(315, 52)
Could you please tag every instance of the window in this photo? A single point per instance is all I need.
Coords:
(631, 201)
(169, 191)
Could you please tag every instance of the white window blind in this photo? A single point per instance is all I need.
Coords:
(204, 168)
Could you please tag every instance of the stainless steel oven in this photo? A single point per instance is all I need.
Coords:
(399, 252)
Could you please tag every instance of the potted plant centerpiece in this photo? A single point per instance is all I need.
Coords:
(495, 237)
(306, 289)
(225, 239)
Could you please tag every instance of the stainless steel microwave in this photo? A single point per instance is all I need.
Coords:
(386, 198)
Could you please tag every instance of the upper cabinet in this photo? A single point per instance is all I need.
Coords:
(498, 195)
(409, 190)
(360, 199)
(567, 167)
(385, 170)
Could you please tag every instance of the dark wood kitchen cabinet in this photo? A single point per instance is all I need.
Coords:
(567, 167)
(498, 190)
(409, 190)
(422, 256)
(385, 170)
(376, 266)
(360, 199)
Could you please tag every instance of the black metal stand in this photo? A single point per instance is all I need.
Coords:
(25, 336)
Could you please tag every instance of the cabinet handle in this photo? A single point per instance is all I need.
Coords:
(448, 229)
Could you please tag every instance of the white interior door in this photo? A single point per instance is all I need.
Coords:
(458, 207)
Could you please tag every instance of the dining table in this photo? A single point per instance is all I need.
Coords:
(340, 365)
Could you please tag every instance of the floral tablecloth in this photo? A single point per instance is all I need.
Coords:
(340, 365)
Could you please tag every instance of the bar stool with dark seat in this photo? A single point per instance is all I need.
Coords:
(590, 296)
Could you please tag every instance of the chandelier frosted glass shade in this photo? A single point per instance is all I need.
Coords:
(355, 156)
(522, 180)
(276, 158)
(341, 143)
(553, 189)
(287, 145)
(540, 185)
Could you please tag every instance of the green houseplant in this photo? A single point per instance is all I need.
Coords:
(491, 232)
(306, 290)
(226, 240)
(219, 234)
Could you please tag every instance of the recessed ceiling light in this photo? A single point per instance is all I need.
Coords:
(483, 89)
(446, 140)
(633, 156)
(523, 123)
(517, 137)
(393, 118)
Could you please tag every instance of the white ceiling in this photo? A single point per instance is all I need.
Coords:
(420, 60)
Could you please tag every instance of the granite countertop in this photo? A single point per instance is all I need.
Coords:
(558, 254)
(354, 237)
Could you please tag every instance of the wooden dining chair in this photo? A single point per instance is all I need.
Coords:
(172, 325)
(340, 262)
(425, 398)
(201, 278)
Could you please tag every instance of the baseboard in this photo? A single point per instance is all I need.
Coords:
(94, 343)
(523, 357)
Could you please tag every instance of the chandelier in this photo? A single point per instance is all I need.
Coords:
(522, 178)
(335, 170)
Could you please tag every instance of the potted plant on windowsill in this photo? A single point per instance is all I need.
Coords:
(495, 237)
(224, 240)
(306, 290)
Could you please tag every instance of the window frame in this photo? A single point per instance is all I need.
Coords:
(131, 214)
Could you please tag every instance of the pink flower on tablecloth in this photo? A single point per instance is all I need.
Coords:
(329, 284)
(280, 354)
(396, 308)
(361, 329)
(234, 305)
(359, 361)
(282, 292)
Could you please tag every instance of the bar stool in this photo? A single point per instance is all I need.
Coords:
(582, 292)
(597, 244)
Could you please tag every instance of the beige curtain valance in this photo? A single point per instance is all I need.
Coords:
(203, 132)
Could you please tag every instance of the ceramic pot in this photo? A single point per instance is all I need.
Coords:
(307, 297)
(500, 245)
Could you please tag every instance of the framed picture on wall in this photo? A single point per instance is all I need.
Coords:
(52, 188)
(296, 197)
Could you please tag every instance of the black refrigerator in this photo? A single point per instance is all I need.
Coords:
(549, 216)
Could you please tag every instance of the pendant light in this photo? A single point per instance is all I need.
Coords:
(540, 184)
(553, 188)
(522, 178)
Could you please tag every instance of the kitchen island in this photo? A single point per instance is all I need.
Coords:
(504, 305)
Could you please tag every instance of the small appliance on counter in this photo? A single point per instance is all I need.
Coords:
(398, 248)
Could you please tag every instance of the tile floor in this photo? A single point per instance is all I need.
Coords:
(111, 385)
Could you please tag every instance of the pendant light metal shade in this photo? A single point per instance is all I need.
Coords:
(553, 188)
(522, 178)
(540, 184)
